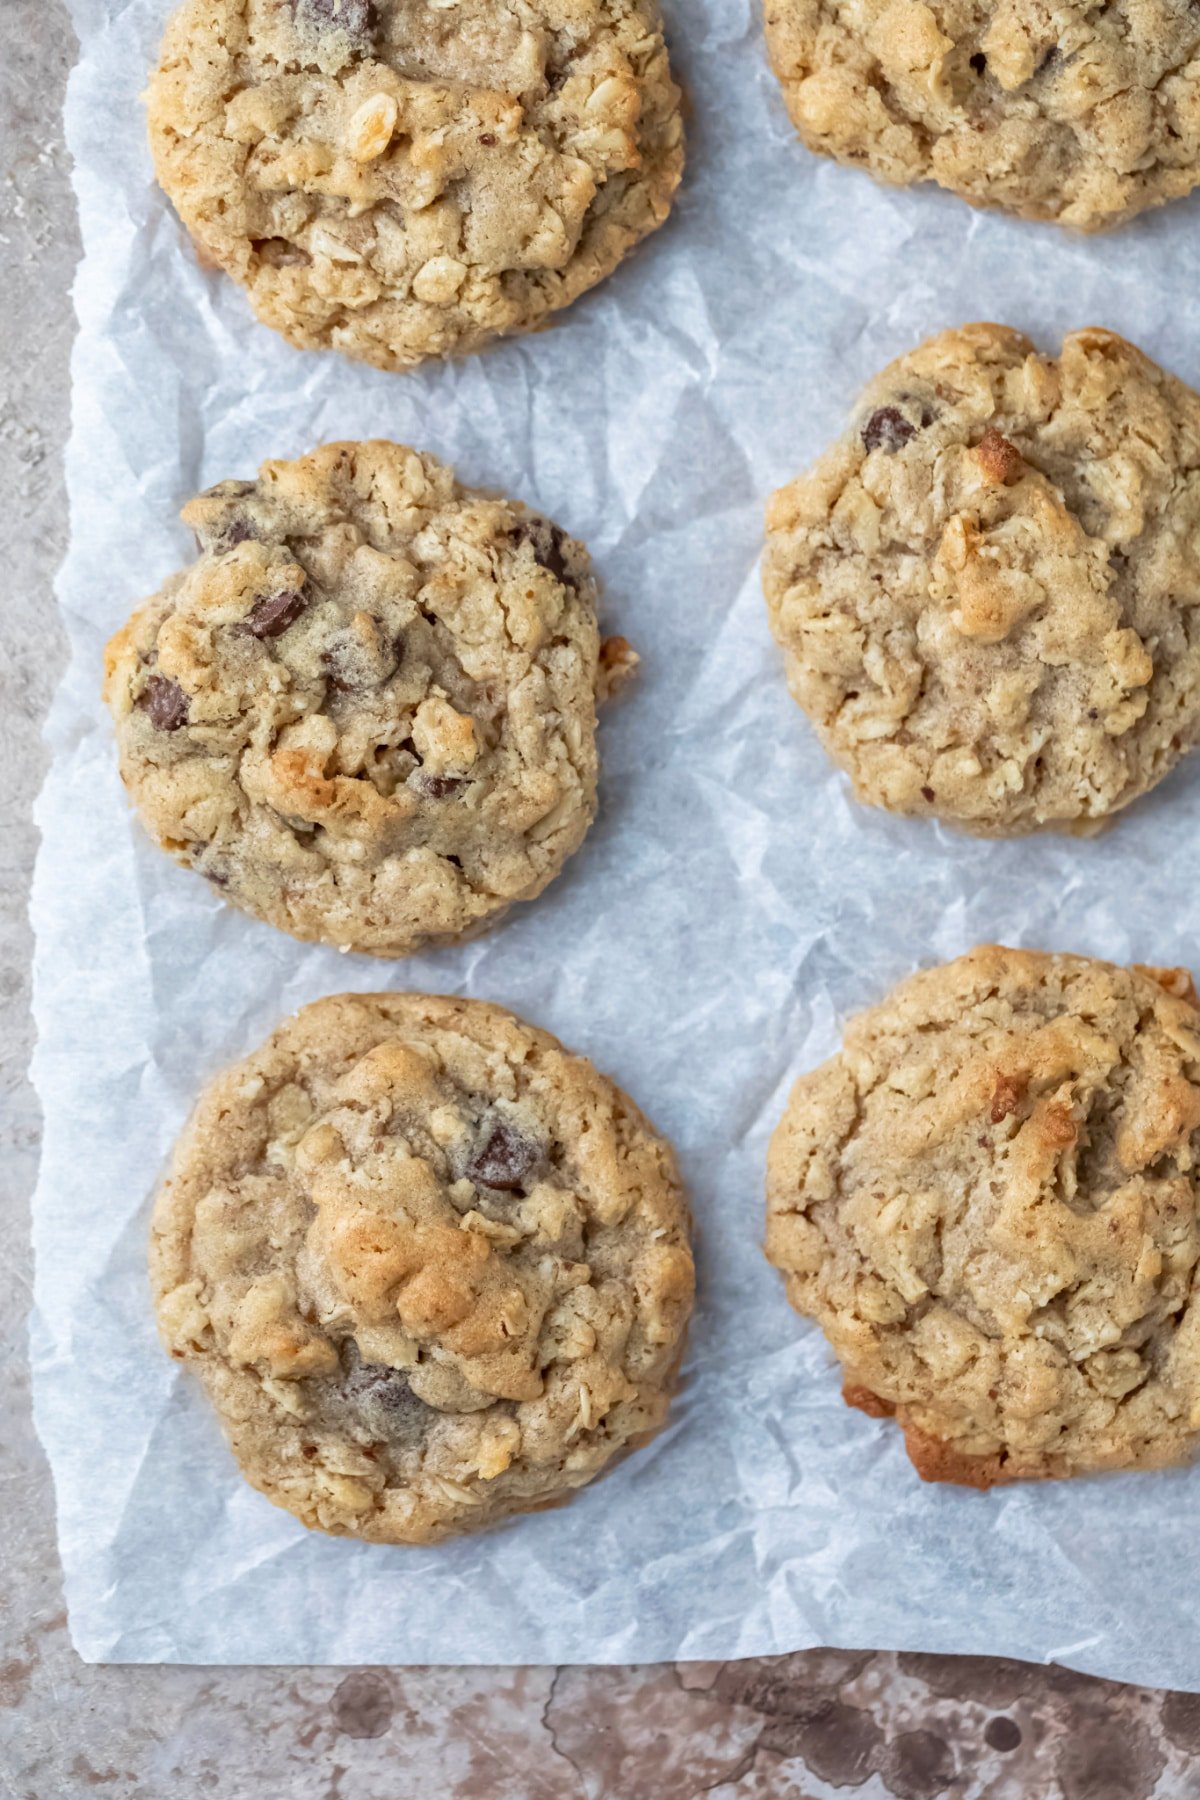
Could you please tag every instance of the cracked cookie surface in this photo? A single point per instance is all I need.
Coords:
(431, 1268)
(367, 712)
(1086, 114)
(988, 591)
(399, 179)
(988, 1201)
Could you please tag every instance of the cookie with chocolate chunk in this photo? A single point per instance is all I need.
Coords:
(367, 712)
(1084, 114)
(990, 1202)
(402, 179)
(988, 591)
(431, 1268)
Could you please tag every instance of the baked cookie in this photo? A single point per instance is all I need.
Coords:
(367, 713)
(431, 1268)
(1081, 113)
(400, 179)
(988, 591)
(988, 1201)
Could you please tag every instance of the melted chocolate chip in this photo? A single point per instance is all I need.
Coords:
(887, 429)
(547, 542)
(239, 532)
(383, 1399)
(488, 138)
(271, 616)
(227, 525)
(218, 539)
(353, 662)
(436, 787)
(355, 17)
(164, 703)
(337, 673)
(503, 1159)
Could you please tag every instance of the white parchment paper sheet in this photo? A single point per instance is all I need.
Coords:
(730, 906)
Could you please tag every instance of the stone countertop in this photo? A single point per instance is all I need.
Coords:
(806, 1727)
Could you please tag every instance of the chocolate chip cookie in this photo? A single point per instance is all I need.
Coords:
(1085, 114)
(988, 591)
(401, 179)
(367, 712)
(988, 1201)
(431, 1268)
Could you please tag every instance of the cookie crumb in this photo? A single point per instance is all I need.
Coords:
(618, 663)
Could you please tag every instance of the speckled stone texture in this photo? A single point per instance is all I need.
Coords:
(812, 1727)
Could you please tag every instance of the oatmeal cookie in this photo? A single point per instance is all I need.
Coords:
(987, 591)
(988, 1201)
(1081, 113)
(431, 1268)
(367, 713)
(402, 179)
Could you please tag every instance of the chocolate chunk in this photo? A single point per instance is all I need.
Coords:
(355, 17)
(547, 542)
(359, 657)
(338, 671)
(887, 429)
(504, 1158)
(222, 536)
(224, 523)
(548, 552)
(383, 1399)
(928, 794)
(239, 531)
(435, 787)
(271, 616)
(979, 62)
(164, 702)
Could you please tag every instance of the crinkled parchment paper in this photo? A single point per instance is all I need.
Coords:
(729, 907)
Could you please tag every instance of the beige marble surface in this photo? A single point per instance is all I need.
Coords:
(816, 1725)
